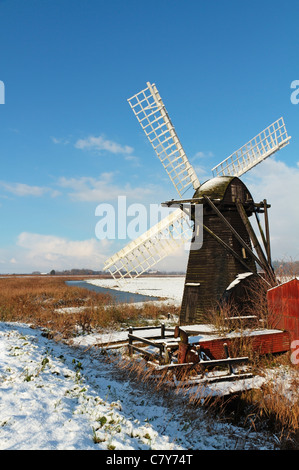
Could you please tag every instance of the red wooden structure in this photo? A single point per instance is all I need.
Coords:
(283, 305)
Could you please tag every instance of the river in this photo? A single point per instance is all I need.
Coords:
(117, 295)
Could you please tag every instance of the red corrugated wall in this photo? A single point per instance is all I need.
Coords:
(283, 304)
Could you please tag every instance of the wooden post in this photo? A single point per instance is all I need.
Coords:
(162, 330)
(230, 367)
(261, 230)
(130, 341)
(267, 231)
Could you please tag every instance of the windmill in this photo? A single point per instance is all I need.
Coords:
(230, 249)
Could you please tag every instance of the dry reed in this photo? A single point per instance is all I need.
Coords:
(64, 310)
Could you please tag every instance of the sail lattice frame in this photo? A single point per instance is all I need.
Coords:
(141, 254)
(151, 114)
(265, 144)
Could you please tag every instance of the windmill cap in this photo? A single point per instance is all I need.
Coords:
(223, 188)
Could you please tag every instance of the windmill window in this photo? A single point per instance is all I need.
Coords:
(244, 254)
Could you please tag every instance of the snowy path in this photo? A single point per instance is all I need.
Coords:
(56, 397)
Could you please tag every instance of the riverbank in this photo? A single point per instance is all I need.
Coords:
(117, 295)
(169, 288)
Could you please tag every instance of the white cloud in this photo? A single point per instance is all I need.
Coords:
(49, 244)
(202, 173)
(100, 143)
(60, 141)
(102, 189)
(134, 160)
(201, 165)
(279, 184)
(46, 252)
(22, 189)
(201, 154)
(177, 261)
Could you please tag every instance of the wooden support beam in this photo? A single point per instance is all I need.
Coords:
(235, 233)
(206, 364)
(256, 245)
(145, 340)
(261, 231)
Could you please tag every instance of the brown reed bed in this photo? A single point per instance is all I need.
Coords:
(63, 310)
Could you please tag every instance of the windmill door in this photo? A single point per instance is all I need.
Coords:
(192, 297)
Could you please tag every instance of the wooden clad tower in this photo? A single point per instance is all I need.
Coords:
(213, 267)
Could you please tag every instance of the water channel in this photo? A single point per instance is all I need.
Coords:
(117, 295)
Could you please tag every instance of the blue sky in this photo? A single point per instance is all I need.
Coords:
(69, 140)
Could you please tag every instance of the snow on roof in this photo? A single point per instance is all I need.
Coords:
(285, 282)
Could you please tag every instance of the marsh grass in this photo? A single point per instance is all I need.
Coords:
(65, 311)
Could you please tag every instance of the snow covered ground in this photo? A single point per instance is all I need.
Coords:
(170, 287)
(54, 396)
(58, 396)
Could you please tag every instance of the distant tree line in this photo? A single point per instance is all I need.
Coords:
(289, 268)
(91, 272)
(75, 272)
(71, 272)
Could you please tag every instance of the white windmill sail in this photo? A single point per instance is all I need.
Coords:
(144, 252)
(269, 141)
(150, 112)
